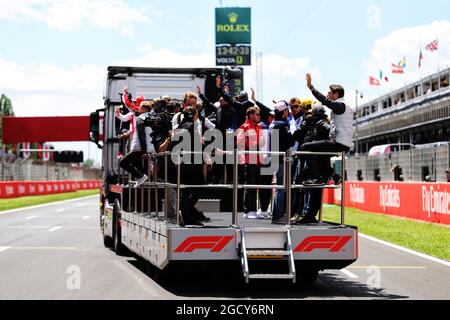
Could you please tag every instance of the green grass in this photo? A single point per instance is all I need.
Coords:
(428, 238)
(7, 204)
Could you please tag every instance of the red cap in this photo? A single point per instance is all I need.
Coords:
(139, 100)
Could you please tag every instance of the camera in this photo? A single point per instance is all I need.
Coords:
(231, 73)
(160, 122)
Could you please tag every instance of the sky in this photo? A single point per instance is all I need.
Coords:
(54, 53)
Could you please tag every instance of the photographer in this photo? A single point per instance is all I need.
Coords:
(190, 173)
(240, 103)
(315, 128)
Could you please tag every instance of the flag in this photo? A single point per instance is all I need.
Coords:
(433, 45)
(46, 154)
(402, 63)
(397, 69)
(420, 58)
(26, 146)
(374, 82)
(381, 77)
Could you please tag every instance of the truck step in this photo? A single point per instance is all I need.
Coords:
(267, 253)
(266, 230)
(271, 276)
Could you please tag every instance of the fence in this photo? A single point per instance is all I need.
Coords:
(423, 163)
(35, 170)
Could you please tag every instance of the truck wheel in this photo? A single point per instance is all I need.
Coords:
(119, 248)
(107, 241)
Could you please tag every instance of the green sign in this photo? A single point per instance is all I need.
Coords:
(233, 26)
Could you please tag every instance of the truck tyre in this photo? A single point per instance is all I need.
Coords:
(119, 248)
(107, 241)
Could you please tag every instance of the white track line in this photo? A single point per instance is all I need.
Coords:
(349, 274)
(49, 204)
(30, 217)
(61, 210)
(54, 229)
(4, 248)
(422, 255)
(86, 217)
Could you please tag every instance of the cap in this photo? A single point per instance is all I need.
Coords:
(281, 106)
(140, 99)
(243, 94)
(319, 109)
(307, 103)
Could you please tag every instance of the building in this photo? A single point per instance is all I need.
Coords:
(418, 113)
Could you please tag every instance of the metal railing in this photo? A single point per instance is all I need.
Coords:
(287, 185)
(416, 165)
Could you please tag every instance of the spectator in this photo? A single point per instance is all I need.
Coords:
(250, 138)
(240, 103)
(298, 111)
(319, 130)
(140, 145)
(340, 138)
(264, 195)
(281, 141)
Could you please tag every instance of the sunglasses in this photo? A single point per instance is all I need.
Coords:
(295, 107)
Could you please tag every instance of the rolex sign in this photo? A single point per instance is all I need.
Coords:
(233, 26)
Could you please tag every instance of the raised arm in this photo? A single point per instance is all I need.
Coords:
(337, 107)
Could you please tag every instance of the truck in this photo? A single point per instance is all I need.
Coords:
(137, 219)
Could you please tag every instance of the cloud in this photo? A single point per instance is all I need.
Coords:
(47, 89)
(70, 15)
(407, 42)
(283, 77)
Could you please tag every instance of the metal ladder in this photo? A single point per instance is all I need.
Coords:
(276, 243)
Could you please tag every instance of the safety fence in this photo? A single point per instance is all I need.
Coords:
(34, 170)
(422, 201)
(423, 163)
(14, 189)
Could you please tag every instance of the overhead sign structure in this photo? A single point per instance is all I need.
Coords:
(233, 36)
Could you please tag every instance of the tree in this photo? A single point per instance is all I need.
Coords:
(6, 109)
(89, 163)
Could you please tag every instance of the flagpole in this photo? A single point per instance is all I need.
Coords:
(420, 70)
(438, 66)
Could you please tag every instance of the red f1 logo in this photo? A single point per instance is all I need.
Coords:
(215, 243)
(333, 243)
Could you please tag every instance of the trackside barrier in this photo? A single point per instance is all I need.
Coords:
(422, 201)
(154, 184)
(15, 189)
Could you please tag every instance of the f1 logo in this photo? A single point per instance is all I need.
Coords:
(215, 243)
(332, 243)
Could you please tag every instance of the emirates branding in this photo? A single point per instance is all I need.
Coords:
(389, 197)
(435, 201)
(357, 194)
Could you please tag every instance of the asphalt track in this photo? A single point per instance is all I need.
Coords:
(56, 251)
